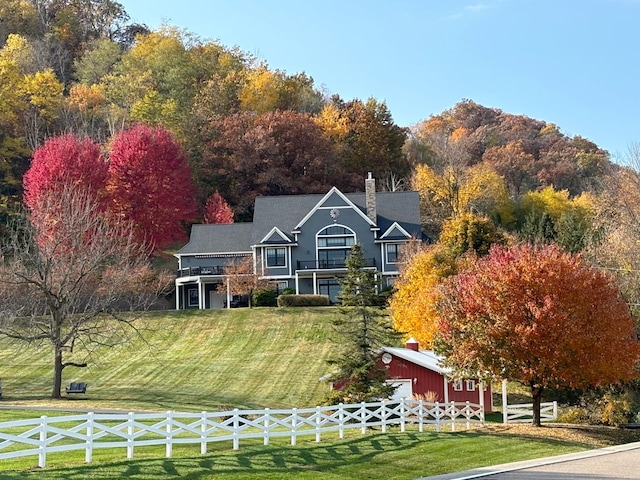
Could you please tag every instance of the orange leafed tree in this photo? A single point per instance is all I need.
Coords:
(538, 315)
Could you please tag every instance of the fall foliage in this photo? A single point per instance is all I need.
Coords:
(150, 184)
(538, 315)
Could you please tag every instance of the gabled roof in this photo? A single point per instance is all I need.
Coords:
(400, 207)
(334, 198)
(218, 238)
(275, 236)
(280, 215)
(395, 232)
(424, 358)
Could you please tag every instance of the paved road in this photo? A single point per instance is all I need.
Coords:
(621, 462)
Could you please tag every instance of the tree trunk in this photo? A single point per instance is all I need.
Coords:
(57, 373)
(536, 394)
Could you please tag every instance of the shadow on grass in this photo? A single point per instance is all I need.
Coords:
(249, 462)
(378, 456)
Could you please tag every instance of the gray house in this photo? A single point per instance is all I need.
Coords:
(299, 242)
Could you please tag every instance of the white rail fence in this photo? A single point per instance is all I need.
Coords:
(45, 435)
(523, 412)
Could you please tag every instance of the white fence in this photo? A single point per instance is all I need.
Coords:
(523, 412)
(45, 435)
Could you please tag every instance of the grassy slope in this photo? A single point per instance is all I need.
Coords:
(194, 360)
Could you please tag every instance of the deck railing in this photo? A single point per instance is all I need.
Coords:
(46, 435)
(195, 271)
(330, 264)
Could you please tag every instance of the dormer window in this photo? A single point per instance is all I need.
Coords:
(394, 250)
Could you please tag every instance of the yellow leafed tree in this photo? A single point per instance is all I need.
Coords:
(413, 304)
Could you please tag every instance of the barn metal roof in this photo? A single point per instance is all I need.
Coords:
(424, 358)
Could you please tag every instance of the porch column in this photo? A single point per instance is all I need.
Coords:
(200, 295)
(177, 296)
(228, 293)
(297, 284)
(315, 283)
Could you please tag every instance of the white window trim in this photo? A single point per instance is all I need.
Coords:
(266, 254)
(398, 253)
(457, 386)
(471, 385)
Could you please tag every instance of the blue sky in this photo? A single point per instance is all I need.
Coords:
(575, 63)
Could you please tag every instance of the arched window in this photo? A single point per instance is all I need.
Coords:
(333, 244)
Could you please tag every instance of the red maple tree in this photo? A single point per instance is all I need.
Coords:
(150, 184)
(61, 163)
(538, 315)
(217, 210)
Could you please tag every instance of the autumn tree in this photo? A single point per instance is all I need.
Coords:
(455, 190)
(64, 281)
(150, 184)
(413, 303)
(217, 210)
(242, 279)
(538, 315)
(361, 329)
(275, 153)
(60, 162)
(549, 215)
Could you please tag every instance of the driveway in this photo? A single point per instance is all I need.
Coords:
(620, 462)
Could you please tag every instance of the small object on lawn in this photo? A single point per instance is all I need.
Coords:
(77, 387)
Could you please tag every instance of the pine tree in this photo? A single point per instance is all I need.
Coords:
(361, 329)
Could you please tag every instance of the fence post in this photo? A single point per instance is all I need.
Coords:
(88, 453)
(421, 416)
(467, 414)
(294, 422)
(453, 415)
(42, 456)
(130, 436)
(318, 423)
(236, 429)
(384, 416)
(437, 417)
(169, 447)
(266, 426)
(203, 435)
(341, 420)
(555, 410)
(363, 418)
(505, 406)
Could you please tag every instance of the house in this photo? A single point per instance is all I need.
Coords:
(417, 372)
(299, 242)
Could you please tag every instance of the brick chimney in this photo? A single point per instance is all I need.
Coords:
(412, 344)
(370, 195)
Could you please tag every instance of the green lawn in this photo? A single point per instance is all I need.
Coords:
(189, 361)
(374, 456)
(241, 358)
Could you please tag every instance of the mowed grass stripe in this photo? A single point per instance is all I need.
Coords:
(197, 360)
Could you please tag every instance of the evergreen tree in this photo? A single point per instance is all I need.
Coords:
(361, 329)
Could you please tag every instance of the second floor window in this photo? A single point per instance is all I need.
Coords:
(276, 257)
(334, 244)
(394, 250)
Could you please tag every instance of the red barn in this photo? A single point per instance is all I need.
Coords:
(417, 372)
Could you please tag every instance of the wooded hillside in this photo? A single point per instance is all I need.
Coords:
(82, 67)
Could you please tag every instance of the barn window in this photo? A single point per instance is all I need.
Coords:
(457, 385)
(471, 385)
